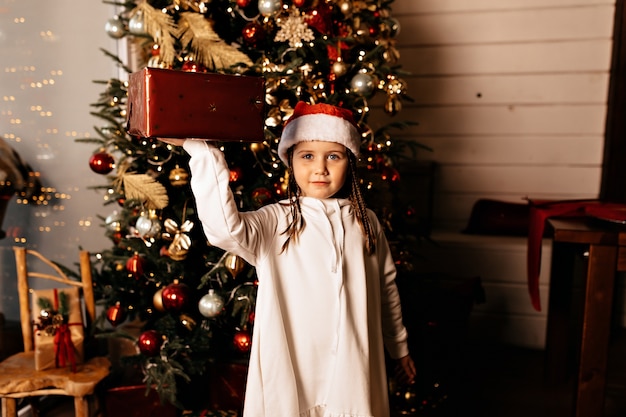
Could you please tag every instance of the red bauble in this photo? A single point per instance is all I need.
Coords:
(150, 342)
(135, 265)
(243, 3)
(116, 314)
(242, 341)
(101, 163)
(176, 297)
(253, 33)
(390, 174)
(261, 196)
(191, 66)
(235, 174)
(299, 3)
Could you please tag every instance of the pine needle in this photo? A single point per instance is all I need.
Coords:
(161, 27)
(146, 189)
(210, 50)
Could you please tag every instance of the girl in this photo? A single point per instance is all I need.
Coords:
(327, 301)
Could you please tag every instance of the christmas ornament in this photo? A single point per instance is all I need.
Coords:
(234, 264)
(149, 342)
(187, 321)
(179, 177)
(180, 241)
(157, 300)
(211, 304)
(192, 66)
(339, 68)
(270, 7)
(116, 314)
(114, 27)
(294, 30)
(392, 105)
(136, 25)
(362, 84)
(242, 341)
(244, 3)
(112, 222)
(135, 265)
(299, 3)
(176, 296)
(235, 174)
(101, 163)
(345, 6)
(389, 173)
(261, 196)
(148, 225)
(253, 33)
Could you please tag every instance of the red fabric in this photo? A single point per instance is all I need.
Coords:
(541, 211)
(63, 346)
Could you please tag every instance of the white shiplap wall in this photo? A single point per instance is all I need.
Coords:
(511, 96)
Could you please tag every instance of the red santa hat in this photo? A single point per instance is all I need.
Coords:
(322, 122)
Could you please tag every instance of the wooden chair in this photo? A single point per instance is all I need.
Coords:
(18, 376)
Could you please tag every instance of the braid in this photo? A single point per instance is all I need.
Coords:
(359, 206)
(293, 196)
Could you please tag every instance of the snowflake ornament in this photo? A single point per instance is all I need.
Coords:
(294, 30)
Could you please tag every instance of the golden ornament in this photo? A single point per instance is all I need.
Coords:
(179, 177)
(234, 264)
(157, 300)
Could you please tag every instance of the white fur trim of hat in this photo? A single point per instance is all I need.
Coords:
(323, 122)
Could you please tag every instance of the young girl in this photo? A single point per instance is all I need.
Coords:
(327, 301)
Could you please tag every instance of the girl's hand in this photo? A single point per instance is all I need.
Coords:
(172, 141)
(405, 370)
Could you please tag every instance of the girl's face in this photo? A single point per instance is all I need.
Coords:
(320, 168)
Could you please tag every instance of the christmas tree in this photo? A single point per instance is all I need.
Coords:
(195, 303)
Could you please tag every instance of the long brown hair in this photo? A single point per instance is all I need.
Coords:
(350, 190)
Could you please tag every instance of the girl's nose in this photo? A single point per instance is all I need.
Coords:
(320, 168)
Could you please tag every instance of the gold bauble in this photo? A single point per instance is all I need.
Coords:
(179, 177)
(234, 264)
(157, 300)
(339, 68)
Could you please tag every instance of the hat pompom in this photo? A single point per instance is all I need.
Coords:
(323, 122)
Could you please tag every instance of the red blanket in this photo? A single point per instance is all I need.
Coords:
(540, 211)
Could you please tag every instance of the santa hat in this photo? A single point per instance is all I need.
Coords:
(322, 122)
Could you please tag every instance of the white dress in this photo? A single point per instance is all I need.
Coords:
(324, 307)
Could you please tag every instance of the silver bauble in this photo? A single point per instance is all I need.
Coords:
(114, 27)
(362, 84)
(270, 7)
(135, 24)
(147, 227)
(211, 304)
(112, 222)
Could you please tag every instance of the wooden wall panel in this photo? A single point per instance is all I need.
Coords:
(512, 98)
(446, 6)
(590, 87)
(530, 25)
(514, 58)
(515, 150)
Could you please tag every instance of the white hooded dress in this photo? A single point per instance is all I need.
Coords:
(324, 307)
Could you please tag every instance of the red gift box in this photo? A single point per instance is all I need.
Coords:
(178, 104)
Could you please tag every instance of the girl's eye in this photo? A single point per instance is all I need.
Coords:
(334, 156)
